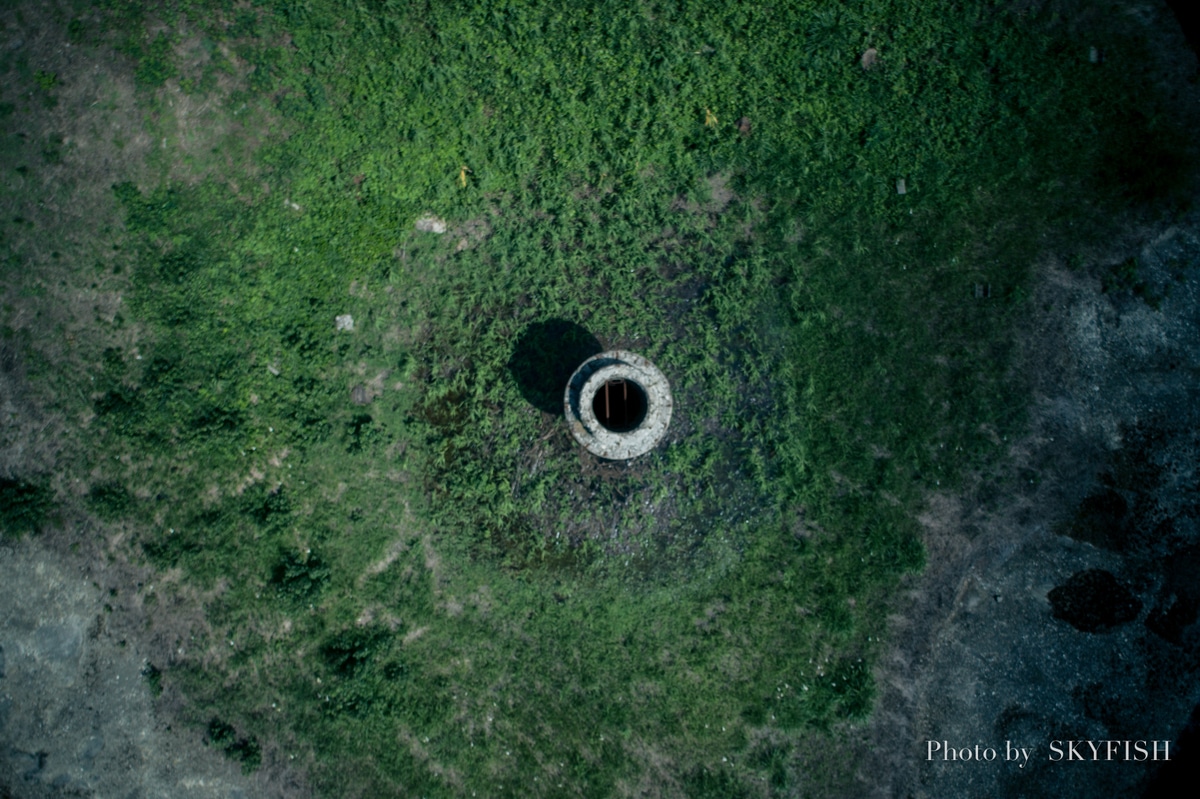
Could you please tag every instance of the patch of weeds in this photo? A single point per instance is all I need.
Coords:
(77, 31)
(265, 66)
(347, 652)
(45, 80)
(153, 677)
(179, 265)
(244, 749)
(266, 507)
(155, 66)
(110, 500)
(300, 576)
(210, 417)
(365, 681)
(150, 214)
(706, 783)
(24, 505)
(360, 432)
(244, 25)
(773, 759)
(52, 153)
(854, 691)
(173, 548)
(120, 406)
(1125, 278)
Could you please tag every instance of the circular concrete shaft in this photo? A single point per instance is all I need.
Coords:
(618, 405)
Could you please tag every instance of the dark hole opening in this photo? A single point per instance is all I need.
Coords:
(620, 405)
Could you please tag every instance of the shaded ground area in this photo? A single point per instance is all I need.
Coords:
(1061, 597)
(544, 357)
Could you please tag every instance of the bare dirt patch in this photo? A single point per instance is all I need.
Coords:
(78, 714)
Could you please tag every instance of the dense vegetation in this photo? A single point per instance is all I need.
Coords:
(816, 218)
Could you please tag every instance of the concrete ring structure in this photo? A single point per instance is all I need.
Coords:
(618, 405)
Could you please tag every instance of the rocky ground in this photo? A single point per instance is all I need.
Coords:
(77, 712)
(1061, 595)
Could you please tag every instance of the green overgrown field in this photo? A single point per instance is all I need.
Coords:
(419, 584)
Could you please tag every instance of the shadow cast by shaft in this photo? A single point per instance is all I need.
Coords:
(544, 356)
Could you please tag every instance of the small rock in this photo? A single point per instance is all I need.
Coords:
(344, 322)
(431, 224)
(359, 395)
(870, 58)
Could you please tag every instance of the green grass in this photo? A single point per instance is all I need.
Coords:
(435, 592)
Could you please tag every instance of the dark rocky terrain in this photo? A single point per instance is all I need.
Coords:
(1060, 601)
